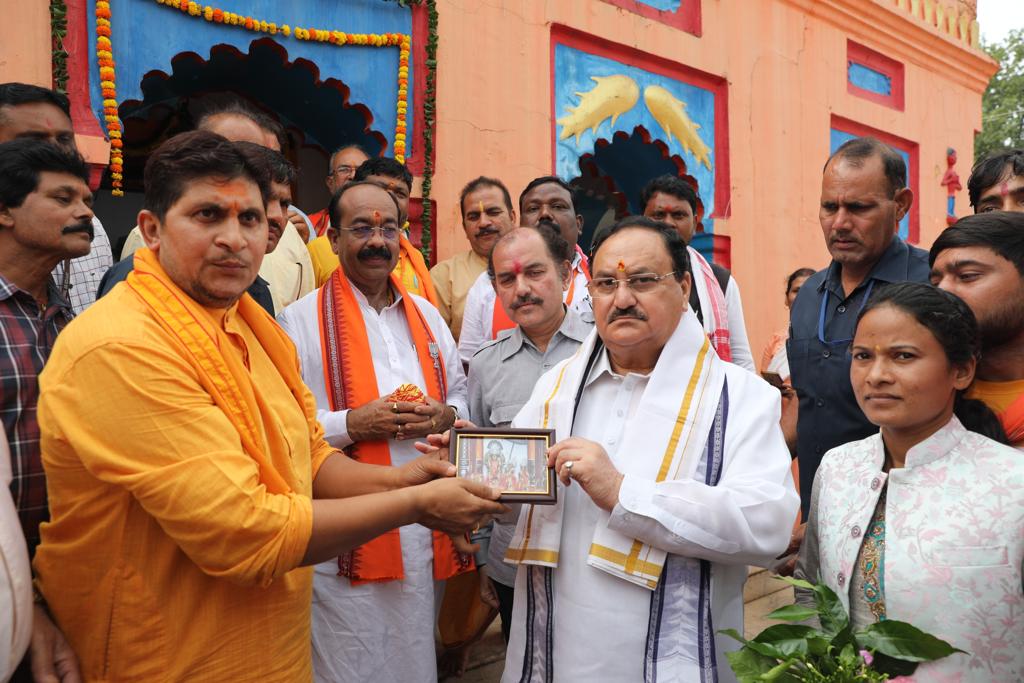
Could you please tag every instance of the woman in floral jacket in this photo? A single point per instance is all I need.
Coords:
(924, 522)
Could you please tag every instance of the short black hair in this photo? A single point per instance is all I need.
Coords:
(799, 272)
(273, 164)
(13, 94)
(546, 180)
(334, 206)
(558, 249)
(674, 244)
(1000, 231)
(23, 160)
(483, 181)
(991, 170)
(192, 156)
(855, 151)
(385, 166)
(955, 328)
(671, 185)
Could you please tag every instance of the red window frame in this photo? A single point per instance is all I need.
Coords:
(686, 18)
(876, 61)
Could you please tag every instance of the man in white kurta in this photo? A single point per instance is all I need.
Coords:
(377, 631)
(678, 478)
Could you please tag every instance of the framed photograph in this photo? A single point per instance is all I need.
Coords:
(512, 460)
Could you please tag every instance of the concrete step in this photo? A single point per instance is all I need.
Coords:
(754, 613)
(761, 582)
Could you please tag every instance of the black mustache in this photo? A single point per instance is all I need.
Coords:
(525, 301)
(631, 312)
(84, 226)
(548, 223)
(484, 232)
(367, 253)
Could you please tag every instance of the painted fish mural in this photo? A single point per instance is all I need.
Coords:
(611, 97)
(671, 114)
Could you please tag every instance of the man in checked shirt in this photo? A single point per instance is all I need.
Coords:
(45, 217)
(29, 111)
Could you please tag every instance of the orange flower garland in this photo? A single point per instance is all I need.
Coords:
(337, 38)
(105, 61)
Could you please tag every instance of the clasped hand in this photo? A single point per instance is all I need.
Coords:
(384, 419)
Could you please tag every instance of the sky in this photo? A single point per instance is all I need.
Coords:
(998, 17)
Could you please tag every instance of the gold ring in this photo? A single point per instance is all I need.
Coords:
(433, 423)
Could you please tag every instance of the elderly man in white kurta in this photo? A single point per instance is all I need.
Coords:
(360, 337)
(676, 478)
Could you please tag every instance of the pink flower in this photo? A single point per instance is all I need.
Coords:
(866, 656)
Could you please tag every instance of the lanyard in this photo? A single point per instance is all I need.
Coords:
(821, 315)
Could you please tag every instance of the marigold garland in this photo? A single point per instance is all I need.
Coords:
(105, 61)
(338, 38)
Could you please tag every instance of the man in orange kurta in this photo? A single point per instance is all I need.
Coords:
(190, 484)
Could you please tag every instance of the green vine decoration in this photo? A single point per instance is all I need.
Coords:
(429, 109)
(58, 55)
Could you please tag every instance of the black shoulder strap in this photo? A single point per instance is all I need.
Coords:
(722, 274)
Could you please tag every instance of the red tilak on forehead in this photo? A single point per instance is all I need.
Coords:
(1004, 188)
(666, 209)
(376, 218)
(622, 266)
(517, 267)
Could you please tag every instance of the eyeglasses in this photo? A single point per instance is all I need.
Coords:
(365, 232)
(343, 170)
(639, 284)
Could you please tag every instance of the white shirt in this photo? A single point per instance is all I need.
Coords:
(745, 519)
(478, 319)
(15, 575)
(88, 270)
(376, 631)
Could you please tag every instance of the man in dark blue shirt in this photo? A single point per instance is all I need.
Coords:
(864, 195)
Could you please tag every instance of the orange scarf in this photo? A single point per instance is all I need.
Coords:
(1013, 422)
(321, 220)
(409, 254)
(500, 319)
(224, 375)
(352, 382)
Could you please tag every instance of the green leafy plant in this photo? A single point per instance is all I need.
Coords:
(833, 653)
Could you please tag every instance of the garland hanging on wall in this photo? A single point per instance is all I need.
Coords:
(58, 55)
(108, 88)
(105, 59)
(429, 111)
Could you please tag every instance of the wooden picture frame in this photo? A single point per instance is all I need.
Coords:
(512, 460)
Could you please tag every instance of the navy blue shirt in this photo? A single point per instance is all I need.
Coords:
(829, 414)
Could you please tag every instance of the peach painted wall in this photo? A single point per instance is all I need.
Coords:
(25, 42)
(785, 63)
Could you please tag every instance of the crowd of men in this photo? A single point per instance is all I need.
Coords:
(214, 478)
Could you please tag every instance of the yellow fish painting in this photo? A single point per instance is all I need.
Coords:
(671, 114)
(612, 96)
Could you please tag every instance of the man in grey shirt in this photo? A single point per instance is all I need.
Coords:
(530, 269)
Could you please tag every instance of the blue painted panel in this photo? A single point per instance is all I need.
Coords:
(663, 5)
(147, 36)
(838, 137)
(573, 71)
(869, 79)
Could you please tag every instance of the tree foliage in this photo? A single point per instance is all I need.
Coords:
(1002, 106)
